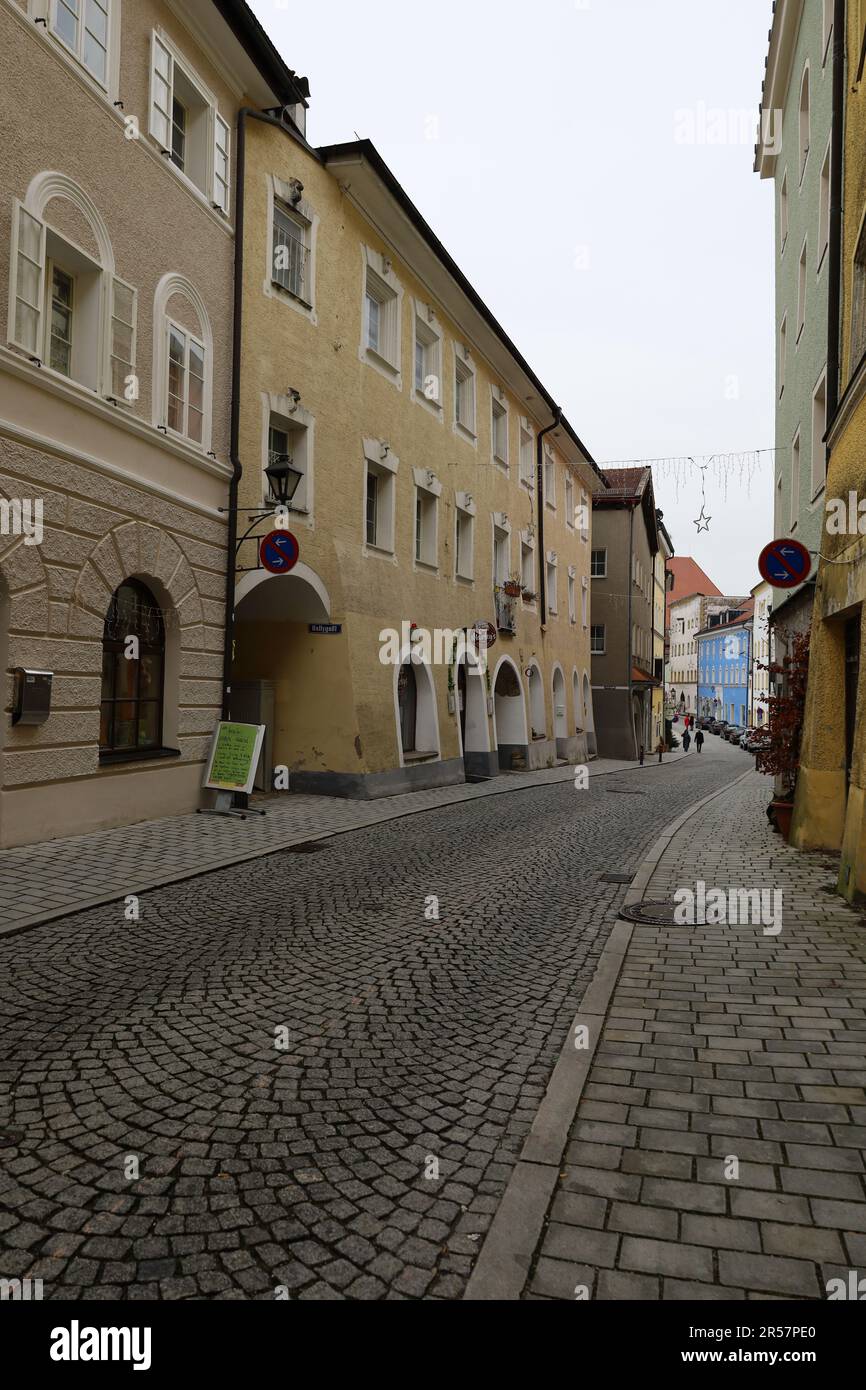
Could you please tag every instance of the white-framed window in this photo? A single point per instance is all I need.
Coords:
(527, 568)
(801, 290)
(795, 481)
(428, 490)
(501, 555)
(290, 275)
(550, 479)
(427, 358)
(289, 251)
(827, 29)
(499, 427)
(290, 434)
(783, 213)
(584, 517)
(597, 639)
(783, 352)
(380, 490)
(805, 130)
(527, 454)
(123, 383)
(584, 602)
(464, 537)
(824, 209)
(552, 597)
(186, 383)
(464, 392)
(598, 564)
(572, 602)
(83, 27)
(186, 125)
(383, 298)
(569, 502)
(68, 313)
(819, 428)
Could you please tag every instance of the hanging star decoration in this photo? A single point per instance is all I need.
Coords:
(703, 521)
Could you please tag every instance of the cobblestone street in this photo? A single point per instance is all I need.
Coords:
(410, 1042)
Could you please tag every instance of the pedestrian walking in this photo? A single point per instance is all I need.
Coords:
(699, 740)
(687, 741)
(640, 755)
(660, 748)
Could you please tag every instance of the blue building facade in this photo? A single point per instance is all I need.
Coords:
(724, 668)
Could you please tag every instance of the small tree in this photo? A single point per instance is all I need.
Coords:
(780, 754)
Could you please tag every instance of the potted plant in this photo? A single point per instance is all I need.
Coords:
(512, 586)
(528, 596)
(780, 750)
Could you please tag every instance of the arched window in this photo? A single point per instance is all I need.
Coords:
(805, 122)
(133, 669)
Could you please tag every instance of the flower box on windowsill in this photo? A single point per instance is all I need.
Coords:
(528, 596)
(511, 589)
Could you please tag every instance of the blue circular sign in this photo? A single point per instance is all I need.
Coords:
(785, 564)
(279, 552)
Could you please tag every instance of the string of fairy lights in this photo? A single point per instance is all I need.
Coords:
(734, 468)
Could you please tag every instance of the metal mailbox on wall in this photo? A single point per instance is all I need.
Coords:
(32, 696)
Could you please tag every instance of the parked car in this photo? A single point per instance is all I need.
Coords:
(718, 726)
(734, 732)
(745, 737)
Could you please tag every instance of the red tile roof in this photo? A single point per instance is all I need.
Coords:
(625, 484)
(689, 579)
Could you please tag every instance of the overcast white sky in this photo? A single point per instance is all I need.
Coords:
(588, 164)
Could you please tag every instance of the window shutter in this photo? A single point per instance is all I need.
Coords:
(222, 144)
(27, 290)
(161, 81)
(121, 349)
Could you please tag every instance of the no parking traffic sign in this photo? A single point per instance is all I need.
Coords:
(279, 552)
(785, 564)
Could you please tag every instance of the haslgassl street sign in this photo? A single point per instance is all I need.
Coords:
(234, 757)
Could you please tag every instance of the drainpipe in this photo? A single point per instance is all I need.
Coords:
(234, 445)
(539, 487)
(628, 638)
(836, 193)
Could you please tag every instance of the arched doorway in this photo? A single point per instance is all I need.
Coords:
(479, 762)
(589, 718)
(295, 681)
(407, 705)
(564, 746)
(509, 717)
(536, 704)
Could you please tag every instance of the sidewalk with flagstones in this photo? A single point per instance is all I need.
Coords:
(719, 1145)
(50, 879)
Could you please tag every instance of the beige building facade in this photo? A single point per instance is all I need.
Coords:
(116, 283)
(423, 506)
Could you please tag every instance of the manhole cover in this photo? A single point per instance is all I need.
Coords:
(617, 878)
(309, 847)
(650, 914)
(10, 1138)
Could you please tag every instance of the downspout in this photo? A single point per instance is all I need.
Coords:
(628, 638)
(539, 487)
(836, 193)
(234, 445)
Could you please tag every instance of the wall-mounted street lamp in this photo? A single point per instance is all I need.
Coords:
(283, 478)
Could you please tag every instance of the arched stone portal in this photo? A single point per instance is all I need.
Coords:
(509, 717)
(472, 719)
(295, 682)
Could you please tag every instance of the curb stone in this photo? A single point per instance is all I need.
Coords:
(503, 1265)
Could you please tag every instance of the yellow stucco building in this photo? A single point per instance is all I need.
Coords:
(371, 368)
(829, 810)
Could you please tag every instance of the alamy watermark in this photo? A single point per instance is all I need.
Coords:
(22, 517)
(438, 646)
(753, 907)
